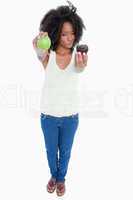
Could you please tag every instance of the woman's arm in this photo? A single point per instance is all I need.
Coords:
(42, 54)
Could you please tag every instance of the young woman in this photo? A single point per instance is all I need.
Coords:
(59, 100)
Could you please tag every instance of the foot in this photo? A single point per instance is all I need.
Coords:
(51, 185)
(60, 189)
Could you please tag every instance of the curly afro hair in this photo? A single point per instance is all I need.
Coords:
(54, 19)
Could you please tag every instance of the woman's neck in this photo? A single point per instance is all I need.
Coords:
(63, 51)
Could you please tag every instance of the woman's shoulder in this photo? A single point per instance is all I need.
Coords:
(49, 56)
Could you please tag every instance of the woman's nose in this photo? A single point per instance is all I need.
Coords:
(70, 38)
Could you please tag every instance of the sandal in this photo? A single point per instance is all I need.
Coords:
(51, 185)
(60, 189)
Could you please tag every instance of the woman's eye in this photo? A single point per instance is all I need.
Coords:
(63, 34)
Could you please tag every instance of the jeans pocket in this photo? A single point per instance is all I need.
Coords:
(43, 116)
(75, 117)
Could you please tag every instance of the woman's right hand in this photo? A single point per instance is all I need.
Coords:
(41, 34)
(42, 54)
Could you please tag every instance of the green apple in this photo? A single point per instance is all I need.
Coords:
(44, 42)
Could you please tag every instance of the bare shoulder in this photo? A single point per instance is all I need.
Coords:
(46, 60)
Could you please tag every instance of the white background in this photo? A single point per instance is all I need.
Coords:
(102, 157)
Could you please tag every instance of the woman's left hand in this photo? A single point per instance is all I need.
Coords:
(81, 59)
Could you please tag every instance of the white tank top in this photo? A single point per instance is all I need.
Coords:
(60, 91)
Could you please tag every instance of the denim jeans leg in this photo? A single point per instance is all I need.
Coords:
(66, 137)
(50, 132)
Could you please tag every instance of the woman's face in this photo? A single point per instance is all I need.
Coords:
(67, 36)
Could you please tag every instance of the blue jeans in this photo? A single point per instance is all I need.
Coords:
(58, 136)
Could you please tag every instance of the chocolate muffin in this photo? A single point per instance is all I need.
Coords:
(82, 48)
